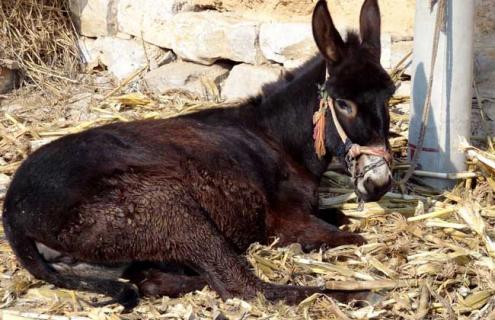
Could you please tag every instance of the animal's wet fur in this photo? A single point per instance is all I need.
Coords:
(191, 192)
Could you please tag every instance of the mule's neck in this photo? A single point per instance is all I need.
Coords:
(287, 115)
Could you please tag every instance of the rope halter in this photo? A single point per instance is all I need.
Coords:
(347, 150)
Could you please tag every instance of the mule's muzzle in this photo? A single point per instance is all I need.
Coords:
(369, 167)
(373, 177)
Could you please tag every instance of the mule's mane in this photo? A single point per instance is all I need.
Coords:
(354, 46)
(295, 77)
(285, 84)
(285, 115)
(353, 40)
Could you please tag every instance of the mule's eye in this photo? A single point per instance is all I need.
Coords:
(344, 105)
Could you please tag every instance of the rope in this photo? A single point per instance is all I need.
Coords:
(427, 105)
(355, 150)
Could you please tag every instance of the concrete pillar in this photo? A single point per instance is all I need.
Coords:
(450, 114)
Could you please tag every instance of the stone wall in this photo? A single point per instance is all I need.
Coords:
(233, 46)
(485, 54)
(238, 45)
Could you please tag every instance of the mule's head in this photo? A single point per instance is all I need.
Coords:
(360, 89)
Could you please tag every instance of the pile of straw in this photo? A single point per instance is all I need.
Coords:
(429, 254)
(39, 36)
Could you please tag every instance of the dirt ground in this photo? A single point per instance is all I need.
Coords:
(397, 15)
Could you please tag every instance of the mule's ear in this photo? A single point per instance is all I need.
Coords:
(326, 36)
(369, 27)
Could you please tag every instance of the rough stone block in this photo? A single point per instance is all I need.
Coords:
(187, 76)
(121, 57)
(247, 80)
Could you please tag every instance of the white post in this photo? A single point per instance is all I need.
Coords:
(450, 113)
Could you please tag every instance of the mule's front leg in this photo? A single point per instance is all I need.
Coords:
(208, 252)
(332, 216)
(309, 231)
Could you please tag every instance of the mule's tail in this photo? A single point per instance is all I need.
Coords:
(30, 258)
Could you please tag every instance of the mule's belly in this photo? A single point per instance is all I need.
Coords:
(136, 218)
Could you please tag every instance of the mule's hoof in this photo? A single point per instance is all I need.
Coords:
(128, 297)
(290, 294)
(346, 238)
(349, 296)
(374, 298)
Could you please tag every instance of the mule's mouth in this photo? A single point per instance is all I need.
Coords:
(374, 182)
(376, 194)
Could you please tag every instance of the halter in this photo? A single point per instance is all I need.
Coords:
(347, 150)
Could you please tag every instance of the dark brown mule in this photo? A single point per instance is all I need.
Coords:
(193, 192)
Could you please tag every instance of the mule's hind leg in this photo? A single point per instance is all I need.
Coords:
(28, 255)
(156, 282)
(196, 242)
(202, 247)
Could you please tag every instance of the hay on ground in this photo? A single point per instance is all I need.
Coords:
(429, 254)
(39, 36)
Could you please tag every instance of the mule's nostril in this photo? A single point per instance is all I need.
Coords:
(375, 186)
(369, 185)
(389, 182)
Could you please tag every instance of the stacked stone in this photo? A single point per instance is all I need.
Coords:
(186, 47)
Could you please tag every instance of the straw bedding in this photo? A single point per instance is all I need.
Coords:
(429, 253)
(38, 35)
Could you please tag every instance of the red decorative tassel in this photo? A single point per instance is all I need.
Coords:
(319, 130)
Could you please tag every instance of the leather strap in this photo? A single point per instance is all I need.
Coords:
(347, 147)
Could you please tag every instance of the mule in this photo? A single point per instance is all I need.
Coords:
(180, 200)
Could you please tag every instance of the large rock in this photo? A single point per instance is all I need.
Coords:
(121, 57)
(284, 41)
(484, 37)
(293, 43)
(9, 76)
(202, 37)
(247, 80)
(485, 78)
(404, 89)
(397, 15)
(146, 18)
(90, 16)
(149, 19)
(200, 80)
(485, 71)
(208, 36)
(4, 184)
